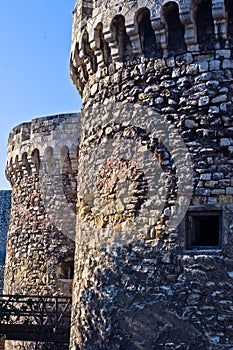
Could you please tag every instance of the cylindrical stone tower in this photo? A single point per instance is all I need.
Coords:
(153, 261)
(42, 169)
(5, 208)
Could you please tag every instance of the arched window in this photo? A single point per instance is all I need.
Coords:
(17, 162)
(11, 164)
(65, 269)
(205, 25)
(49, 159)
(119, 33)
(102, 44)
(88, 52)
(65, 160)
(175, 29)
(229, 10)
(69, 180)
(26, 163)
(146, 34)
(36, 159)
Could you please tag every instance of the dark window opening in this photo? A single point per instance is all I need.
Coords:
(205, 25)
(120, 35)
(102, 44)
(69, 181)
(66, 270)
(229, 10)
(175, 29)
(26, 163)
(36, 159)
(146, 34)
(203, 230)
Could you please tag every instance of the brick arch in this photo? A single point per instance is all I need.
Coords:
(120, 35)
(146, 33)
(175, 29)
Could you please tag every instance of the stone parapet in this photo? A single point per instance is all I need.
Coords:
(107, 33)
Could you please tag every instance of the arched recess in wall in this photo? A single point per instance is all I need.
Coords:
(49, 163)
(88, 52)
(78, 69)
(204, 25)
(36, 159)
(120, 35)
(102, 44)
(18, 167)
(69, 180)
(175, 29)
(17, 163)
(146, 33)
(65, 268)
(66, 165)
(10, 165)
(26, 164)
(229, 10)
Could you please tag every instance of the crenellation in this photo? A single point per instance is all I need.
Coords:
(192, 35)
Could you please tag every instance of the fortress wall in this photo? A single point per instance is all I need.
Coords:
(5, 207)
(143, 280)
(42, 169)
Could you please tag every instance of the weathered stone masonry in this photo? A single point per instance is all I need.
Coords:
(42, 169)
(5, 207)
(144, 69)
(169, 288)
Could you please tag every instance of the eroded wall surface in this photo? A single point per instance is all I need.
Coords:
(42, 169)
(5, 207)
(153, 75)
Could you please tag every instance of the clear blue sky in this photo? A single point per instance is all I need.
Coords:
(35, 39)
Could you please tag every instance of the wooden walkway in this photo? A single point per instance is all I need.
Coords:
(35, 318)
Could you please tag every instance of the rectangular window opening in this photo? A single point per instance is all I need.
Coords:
(203, 230)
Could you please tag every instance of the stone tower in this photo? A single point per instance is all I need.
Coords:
(42, 169)
(5, 208)
(154, 253)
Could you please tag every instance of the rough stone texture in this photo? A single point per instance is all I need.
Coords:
(40, 249)
(143, 289)
(157, 87)
(5, 207)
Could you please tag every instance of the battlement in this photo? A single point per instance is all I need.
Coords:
(43, 139)
(107, 34)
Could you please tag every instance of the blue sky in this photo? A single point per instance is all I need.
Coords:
(35, 39)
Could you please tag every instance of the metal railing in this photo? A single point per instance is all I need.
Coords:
(35, 318)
